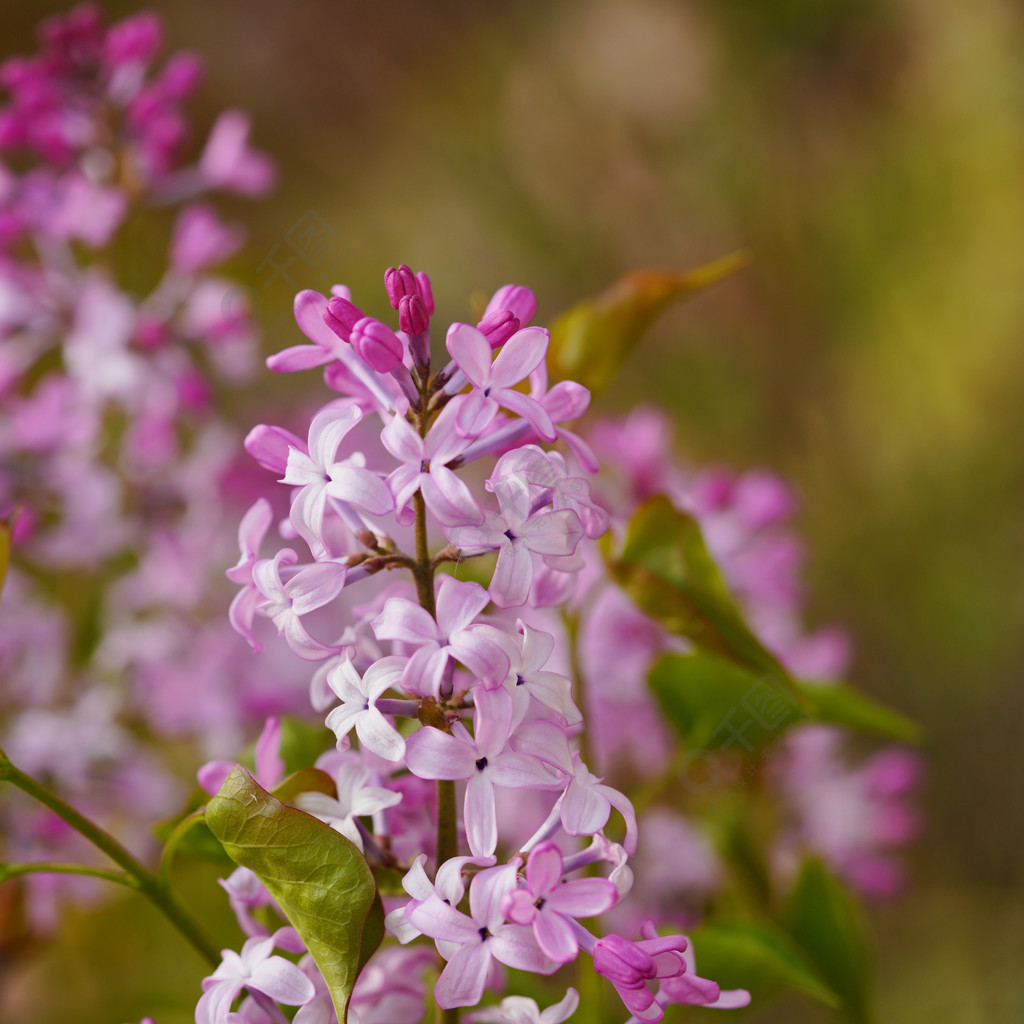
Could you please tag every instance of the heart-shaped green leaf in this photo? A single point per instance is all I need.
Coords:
(320, 880)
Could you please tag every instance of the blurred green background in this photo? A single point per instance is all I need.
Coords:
(870, 156)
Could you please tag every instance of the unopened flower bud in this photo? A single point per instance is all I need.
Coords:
(399, 282)
(517, 300)
(426, 292)
(377, 345)
(497, 327)
(341, 316)
(412, 315)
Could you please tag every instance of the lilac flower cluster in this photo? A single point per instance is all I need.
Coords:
(409, 469)
(116, 335)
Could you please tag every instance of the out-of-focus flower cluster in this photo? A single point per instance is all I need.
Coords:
(117, 337)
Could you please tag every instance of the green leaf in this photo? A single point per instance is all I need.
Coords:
(758, 957)
(590, 341)
(320, 879)
(716, 705)
(825, 919)
(666, 568)
(839, 705)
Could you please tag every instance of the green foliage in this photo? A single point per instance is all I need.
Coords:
(714, 704)
(666, 568)
(759, 957)
(590, 341)
(825, 920)
(318, 877)
(840, 705)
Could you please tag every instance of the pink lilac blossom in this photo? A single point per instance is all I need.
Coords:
(496, 711)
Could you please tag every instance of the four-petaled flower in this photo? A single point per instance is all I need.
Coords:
(548, 903)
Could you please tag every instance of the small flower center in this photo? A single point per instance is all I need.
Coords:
(425, 466)
(540, 903)
(484, 934)
(481, 764)
(519, 680)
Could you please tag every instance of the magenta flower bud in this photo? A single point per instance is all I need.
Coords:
(341, 316)
(517, 300)
(378, 346)
(412, 315)
(498, 327)
(181, 76)
(135, 39)
(426, 292)
(399, 282)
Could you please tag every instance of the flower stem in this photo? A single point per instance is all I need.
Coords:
(139, 877)
(447, 833)
(50, 868)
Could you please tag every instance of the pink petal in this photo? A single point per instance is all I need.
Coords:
(584, 811)
(583, 897)
(328, 430)
(444, 442)
(402, 441)
(458, 604)
(309, 506)
(282, 980)
(519, 771)
(463, 979)
(487, 894)
(552, 533)
(474, 413)
(432, 754)
(315, 586)
(449, 498)
(516, 946)
(555, 936)
(623, 805)
(544, 868)
(480, 815)
(404, 621)
(513, 574)
(481, 655)
(309, 315)
(520, 356)
(360, 487)
(376, 733)
(269, 446)
(530, 409)
(471, 350)
(298, 357)
(492, 720)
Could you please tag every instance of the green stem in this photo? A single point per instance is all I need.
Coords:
(51, 868)
(572, 629)
(141, 877)
(173, 841)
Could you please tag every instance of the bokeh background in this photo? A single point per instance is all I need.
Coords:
(870, 156)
